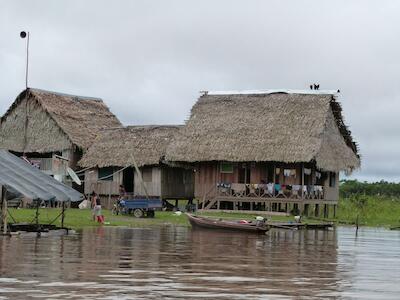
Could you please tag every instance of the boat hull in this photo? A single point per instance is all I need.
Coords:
(206, 223)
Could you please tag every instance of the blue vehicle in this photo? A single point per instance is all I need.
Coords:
(140, 207)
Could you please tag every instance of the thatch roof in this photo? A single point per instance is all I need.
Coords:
(267, 126)
(115, 147)
(79, 118)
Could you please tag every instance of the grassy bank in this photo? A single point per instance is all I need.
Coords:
(76, 218)
(372, 210)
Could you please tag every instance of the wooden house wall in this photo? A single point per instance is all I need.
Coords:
(101, 187)
(177, 183)
(208, 174)
(332, 193)
(206, 177)
(153, 187)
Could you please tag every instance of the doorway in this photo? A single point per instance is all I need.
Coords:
(128, 178)
(244, 174)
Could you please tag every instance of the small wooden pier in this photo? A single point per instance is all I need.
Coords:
(298, 226)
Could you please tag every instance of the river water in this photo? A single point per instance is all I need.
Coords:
(181, 263)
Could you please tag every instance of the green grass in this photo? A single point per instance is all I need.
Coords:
(373, 211)
(77, 218)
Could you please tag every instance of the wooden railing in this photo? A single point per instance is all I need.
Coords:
(241, 190)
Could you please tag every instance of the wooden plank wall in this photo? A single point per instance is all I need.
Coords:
(102, 187)
(206, 177)
(332, 193)
(177, 183)
(153, 187)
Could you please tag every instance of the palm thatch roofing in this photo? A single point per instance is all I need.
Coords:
(79, 118)
(276, 126)
(115, 147)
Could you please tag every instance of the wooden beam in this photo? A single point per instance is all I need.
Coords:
(4, 209)
(302, 180)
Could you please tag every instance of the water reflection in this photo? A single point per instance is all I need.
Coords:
(180, 263)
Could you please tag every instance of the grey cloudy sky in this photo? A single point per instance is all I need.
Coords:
(149, 59)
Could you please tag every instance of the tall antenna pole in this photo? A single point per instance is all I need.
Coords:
(23, 35)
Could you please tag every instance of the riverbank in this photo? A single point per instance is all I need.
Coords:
(374, 211)
(80, 218)
(371, 211)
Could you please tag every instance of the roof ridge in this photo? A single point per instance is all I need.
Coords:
(270, 91)
(66, 95)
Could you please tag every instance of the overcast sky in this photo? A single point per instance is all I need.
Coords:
(149, 59)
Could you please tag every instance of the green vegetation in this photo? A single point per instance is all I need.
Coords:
(375, 204)
(372, 210)
(349, 188)
(79, 218)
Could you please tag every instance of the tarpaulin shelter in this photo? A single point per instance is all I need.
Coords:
(23, 178)
(31, 182)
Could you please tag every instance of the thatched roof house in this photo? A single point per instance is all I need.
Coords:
(111, 159)
(43, 121)
(267, 126)
(115, 147)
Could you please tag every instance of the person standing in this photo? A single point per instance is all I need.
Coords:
(96, 205)
(122, 192)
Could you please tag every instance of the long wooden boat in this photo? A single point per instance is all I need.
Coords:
(209, 223)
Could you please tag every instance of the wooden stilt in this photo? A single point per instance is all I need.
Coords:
(37, 214)
(4, 209)
(316, 210)
(334, 210)
(1, 207)
(62, 214)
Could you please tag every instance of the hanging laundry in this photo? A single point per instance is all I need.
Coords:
(277, 171)
(318, 175)
(286, 172)
(307, 171)
(293, 172)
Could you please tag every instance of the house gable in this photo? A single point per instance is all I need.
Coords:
(42, 133)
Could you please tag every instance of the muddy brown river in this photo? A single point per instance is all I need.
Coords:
(180, 263)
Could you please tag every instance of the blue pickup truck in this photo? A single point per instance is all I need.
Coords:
(140, 207)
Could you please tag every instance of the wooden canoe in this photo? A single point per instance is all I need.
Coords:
(209, 223)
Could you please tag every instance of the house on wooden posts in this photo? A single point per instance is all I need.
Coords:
(52, 129)
(266, 150)
(111, 163)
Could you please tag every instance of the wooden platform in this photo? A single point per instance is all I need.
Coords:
(250, 212)
(294, 225)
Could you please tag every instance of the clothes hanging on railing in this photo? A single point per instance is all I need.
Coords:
(307, 171)
(289, 172)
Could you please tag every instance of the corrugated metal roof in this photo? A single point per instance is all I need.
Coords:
(31, 182)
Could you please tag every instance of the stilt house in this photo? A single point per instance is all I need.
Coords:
(266, 150)
(51, 128)
(111, 163)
